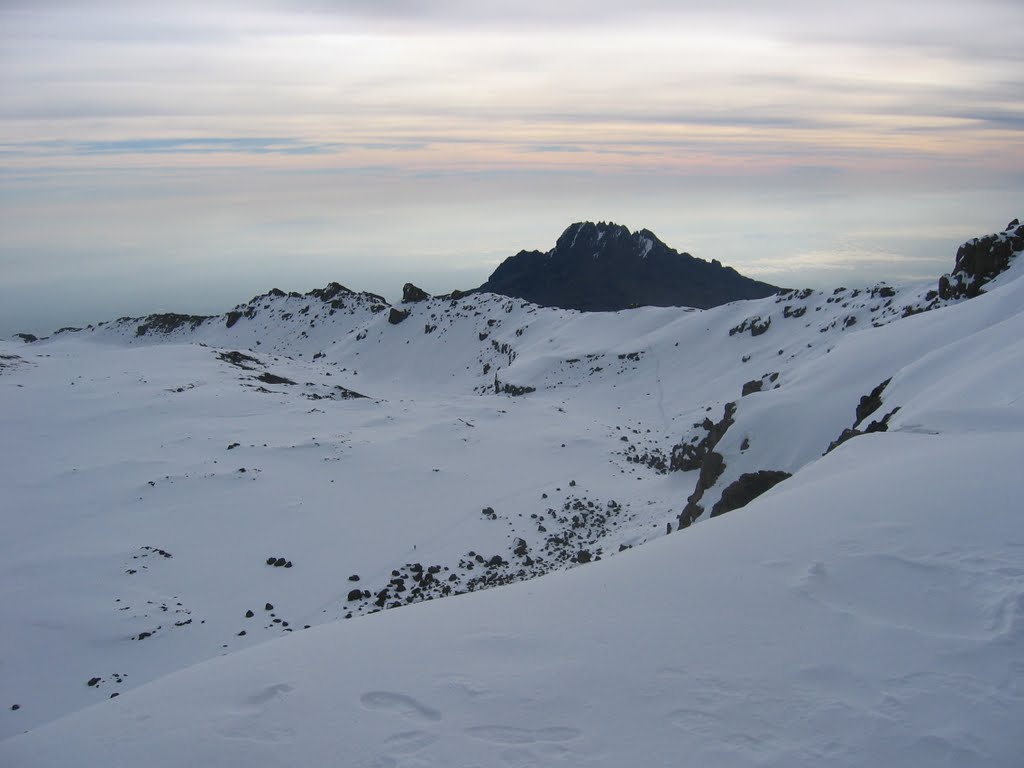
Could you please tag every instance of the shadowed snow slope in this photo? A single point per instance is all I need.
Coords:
(872, 612)
(268, 537)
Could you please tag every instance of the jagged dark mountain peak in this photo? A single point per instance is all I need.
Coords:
(605, 267)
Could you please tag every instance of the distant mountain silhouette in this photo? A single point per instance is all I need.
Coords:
(605, 267)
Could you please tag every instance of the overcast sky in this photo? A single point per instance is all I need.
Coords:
(184, 156)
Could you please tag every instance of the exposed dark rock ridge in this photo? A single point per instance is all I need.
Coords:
(748, 487)
(979, 260)
(411, 293)
(866, 407)
(703, 455)
(605, 267)
(686, 456)
(167, 323)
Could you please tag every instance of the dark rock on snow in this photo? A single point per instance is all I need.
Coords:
(686, 457)
(871, 402)
(395, 316)
(270, 378)
(867, 406)
(410, 293)
(747, 488)
(979, 260)
(751, 387)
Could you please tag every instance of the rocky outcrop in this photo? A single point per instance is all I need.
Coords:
(686, 457)
(755, 325)
(329, 293)
(605, 267)
(866, 407)
(395, 316)
(711, 464)
(979, 260)
(755, 385)
(167, 323)
(501, 387)
(410, 294)
(871, 402)
(748, 487)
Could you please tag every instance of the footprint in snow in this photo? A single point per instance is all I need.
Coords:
(504, 734)
(409, 742)
(400, 704)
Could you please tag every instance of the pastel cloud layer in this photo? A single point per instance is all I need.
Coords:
(318, 129)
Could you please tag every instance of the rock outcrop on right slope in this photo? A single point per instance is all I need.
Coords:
(981, 259)
(730, 475)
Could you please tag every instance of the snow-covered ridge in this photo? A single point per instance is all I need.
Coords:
(158, 478)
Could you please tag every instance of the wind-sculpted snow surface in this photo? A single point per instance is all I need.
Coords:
(176, 498)
(843, 620)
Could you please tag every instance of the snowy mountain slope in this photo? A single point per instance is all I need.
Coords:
(432, 480)
(853, 616)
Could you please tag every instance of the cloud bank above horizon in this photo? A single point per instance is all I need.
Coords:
(154, 139)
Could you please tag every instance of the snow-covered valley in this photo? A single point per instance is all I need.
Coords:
(226, 540)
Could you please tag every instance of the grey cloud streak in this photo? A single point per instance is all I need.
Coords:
(174, 130)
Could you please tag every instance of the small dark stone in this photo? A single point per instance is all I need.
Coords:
(583, 556)
(249, 614)
(355, 594)
(241, 634)
(114, 695)
(288, 564)
(279, 562)
(271, 560)
(268, 607)
(93, 682)
(354, 577)
(15, 707)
